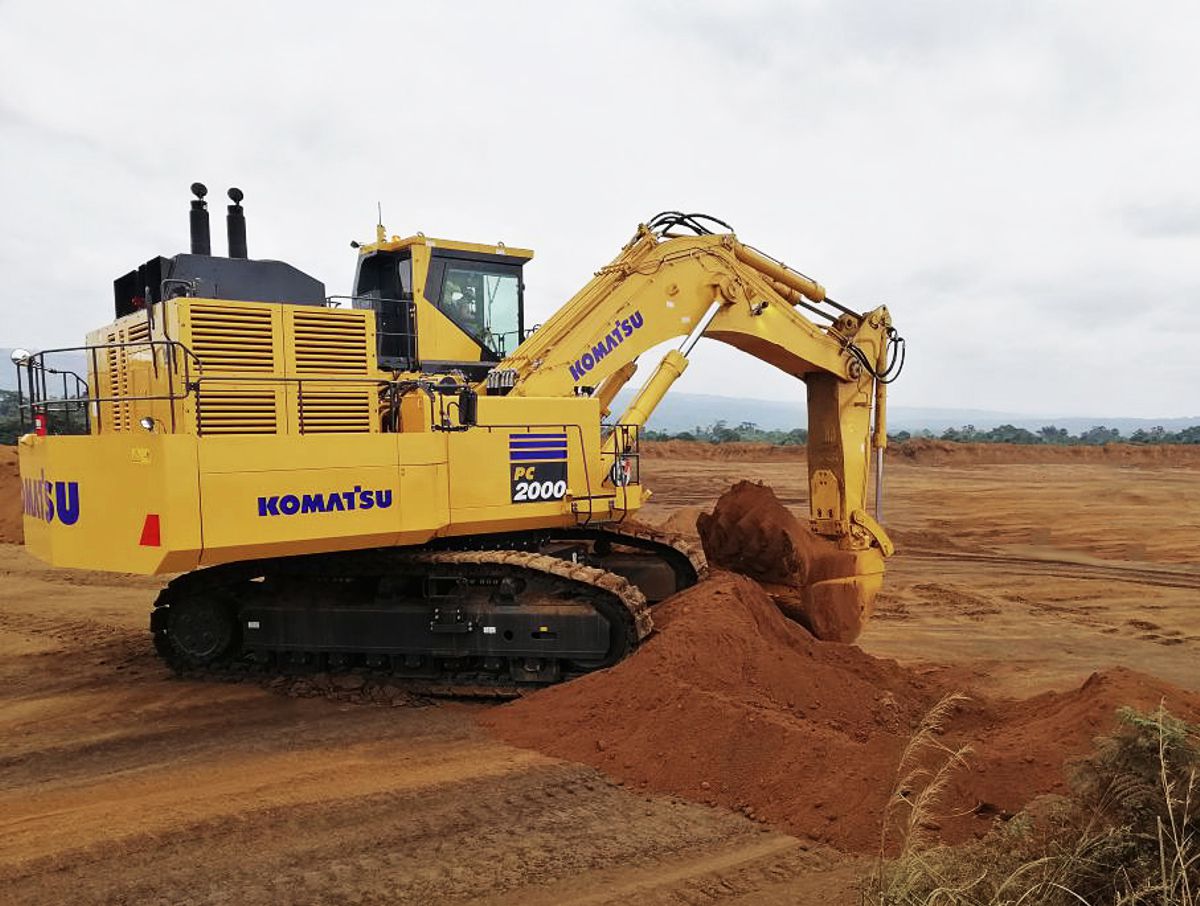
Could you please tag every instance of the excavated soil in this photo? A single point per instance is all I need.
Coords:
(11, 510)
(732, 704)
(752, 533)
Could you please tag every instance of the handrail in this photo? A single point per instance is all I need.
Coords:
(40, 401)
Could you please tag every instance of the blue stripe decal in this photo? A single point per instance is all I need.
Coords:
(562, 435)
(537, 445)
(542, 455)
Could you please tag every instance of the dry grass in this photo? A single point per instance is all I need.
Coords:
(1127, 835)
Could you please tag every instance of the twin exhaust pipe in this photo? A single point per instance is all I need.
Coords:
(235, 222)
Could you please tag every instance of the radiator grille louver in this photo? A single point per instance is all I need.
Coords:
(229, 339)
(329, 342)
(138, 332)
(234, 340)
(118, 385)
(273, 370)
(237, 411)
(325, 411)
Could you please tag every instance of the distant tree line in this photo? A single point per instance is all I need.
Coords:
(747, 432)
(1095, 436)
(9, 423)
(721, 433)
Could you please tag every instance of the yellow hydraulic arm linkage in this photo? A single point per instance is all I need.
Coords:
(667, 283)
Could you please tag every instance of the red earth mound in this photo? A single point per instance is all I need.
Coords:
(730, 703)
(1020, 747)
(11, 508)
(682, 521)
(751, 532)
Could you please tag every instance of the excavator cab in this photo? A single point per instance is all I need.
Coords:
(442, 306)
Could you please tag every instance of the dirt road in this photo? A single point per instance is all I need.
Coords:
(119, 783)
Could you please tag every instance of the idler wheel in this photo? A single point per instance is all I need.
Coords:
(201, 630)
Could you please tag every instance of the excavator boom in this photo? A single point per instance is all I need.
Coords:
(661, 287)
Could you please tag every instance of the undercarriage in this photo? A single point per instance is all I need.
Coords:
(527, 608)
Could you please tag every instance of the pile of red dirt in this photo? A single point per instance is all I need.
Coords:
(730, 703)
(11, 507)
(1020, 747)
(682, 521)
(752, 533)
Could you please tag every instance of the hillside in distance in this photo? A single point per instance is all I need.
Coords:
(686, 411)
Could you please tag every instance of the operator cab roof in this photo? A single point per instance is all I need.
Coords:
(396, 244)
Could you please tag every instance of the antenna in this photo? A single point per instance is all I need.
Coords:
(380, 232)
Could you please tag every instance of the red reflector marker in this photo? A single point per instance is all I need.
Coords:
(151, 536)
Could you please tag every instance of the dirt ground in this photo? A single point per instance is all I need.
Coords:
(119, 783)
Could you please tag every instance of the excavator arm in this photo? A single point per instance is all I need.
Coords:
(665, 285)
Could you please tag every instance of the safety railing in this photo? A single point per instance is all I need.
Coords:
(37, 405)
(621, 446)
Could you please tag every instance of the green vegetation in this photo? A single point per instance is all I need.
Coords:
(1126, 834)
(9, 423)
(1097, 435)
(722, 433)
(748, 432)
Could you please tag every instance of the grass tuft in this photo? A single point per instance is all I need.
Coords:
(1128, 834)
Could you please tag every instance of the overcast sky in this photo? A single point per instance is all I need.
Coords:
(1019, 182)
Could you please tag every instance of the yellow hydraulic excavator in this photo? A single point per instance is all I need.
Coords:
(412, 478)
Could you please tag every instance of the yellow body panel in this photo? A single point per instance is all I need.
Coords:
(115, 481)
(277, 450)
(227, 498)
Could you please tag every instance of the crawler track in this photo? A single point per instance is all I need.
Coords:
(204, 622)
(685, 557)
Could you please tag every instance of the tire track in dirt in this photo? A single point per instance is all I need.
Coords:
(1164, 575)
(759, 870)
(1087, 607)
(435, 836)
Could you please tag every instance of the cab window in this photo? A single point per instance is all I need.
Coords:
(484, 299)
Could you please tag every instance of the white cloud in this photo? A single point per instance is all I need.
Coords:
(1016, 181)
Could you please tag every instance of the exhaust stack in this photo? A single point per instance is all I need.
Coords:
(198, 218)
(235, 224)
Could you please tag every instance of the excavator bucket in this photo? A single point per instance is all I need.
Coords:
(829, 591)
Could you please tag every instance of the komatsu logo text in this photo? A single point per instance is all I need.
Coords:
(50, 500)
(331, 502)
(621, 331)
